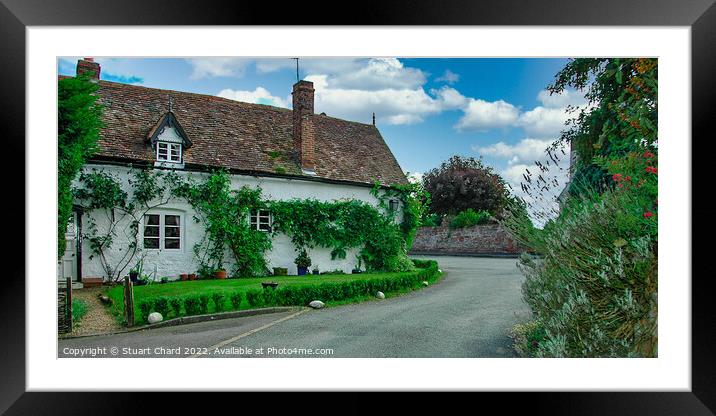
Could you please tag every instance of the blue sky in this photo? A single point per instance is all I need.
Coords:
(427, 109)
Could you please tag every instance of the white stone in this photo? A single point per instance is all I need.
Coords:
(316, 304)
(380, 295)
(155, 317)
(440, 271)
(425, 283)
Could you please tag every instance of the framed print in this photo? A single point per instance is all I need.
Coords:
(411, 199)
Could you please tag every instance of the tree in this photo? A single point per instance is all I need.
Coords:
(78, 124)
(621, 116)
(465, 182)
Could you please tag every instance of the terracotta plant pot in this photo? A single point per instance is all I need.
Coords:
(184, 276)
(220, 274)
(192, 276)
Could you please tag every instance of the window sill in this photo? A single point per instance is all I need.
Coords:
(172, 165)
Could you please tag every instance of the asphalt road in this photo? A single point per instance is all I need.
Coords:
(467, 314)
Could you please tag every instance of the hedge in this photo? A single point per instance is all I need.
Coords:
(326, 292)
(427, 270)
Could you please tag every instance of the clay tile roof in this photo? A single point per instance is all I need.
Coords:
(242, 137)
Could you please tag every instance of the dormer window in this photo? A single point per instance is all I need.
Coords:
(169, 141)
(169, 152)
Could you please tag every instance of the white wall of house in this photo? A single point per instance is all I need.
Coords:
(171, 263)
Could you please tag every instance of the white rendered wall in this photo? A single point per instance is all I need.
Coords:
(171, 263)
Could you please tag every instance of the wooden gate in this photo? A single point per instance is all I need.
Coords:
(64, 306)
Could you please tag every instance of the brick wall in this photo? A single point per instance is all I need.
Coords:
(489, 239)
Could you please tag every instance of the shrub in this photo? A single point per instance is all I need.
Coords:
(527, 338)
(161, 305)
(145, 308)
(236, 298)
(191, 305)
(255, 298)
(464, 182)
(469, 218)
(204, 304)
(595, 291)
(176, 305)
(218, 299)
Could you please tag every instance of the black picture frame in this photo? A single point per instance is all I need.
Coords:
(700, 15)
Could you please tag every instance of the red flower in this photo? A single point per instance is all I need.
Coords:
(651, 169)
(617, 177)
(648, 155)
(648, 215)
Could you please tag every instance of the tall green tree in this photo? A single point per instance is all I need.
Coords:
(621, 117)
(78, 125)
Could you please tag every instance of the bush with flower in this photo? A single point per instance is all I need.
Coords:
(593, 291)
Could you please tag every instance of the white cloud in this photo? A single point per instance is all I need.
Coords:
(381, 73)
(527, 150)
(414, 177)
(450, 98)
(521, 161)
(483, 115)
(561, 100)
(394, 104)
(258, 96)
(544, 122)
(449, 77)
(218, 67)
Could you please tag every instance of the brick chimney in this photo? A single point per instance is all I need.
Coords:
(304, 137)
(88, 65)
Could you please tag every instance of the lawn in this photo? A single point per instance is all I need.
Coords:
(180, 289)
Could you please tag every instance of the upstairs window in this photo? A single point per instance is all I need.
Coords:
(168, 152)
(260, 219)
(162, 231)
(393, 204)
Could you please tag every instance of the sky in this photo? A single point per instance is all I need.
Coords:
(427, 109)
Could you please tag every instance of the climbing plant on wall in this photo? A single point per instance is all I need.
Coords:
(103, 196)
(224, 212)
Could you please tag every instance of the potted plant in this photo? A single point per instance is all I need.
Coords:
(315, 270)
(135, 271)
(220, 273)
(303, 262)
(184, 276)
(357, 270)
(192, 276)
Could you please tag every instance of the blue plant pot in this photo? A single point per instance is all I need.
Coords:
(302, 271)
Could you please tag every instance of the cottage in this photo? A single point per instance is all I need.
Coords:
(289, 154)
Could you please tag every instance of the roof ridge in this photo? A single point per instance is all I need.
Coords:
(209, 96)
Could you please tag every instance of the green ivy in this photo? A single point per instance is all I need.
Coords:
(225, 215)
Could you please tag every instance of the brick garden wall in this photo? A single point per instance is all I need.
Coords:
(489, 239)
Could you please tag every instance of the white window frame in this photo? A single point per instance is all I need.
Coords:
(257, 225)
(168, 158)
(162, 231)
